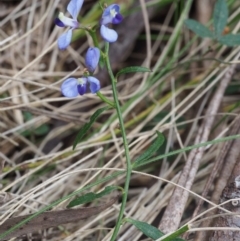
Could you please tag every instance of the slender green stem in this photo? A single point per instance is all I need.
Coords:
(105, 99)
(125, 144)
(94, 37)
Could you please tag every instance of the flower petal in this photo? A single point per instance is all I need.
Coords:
(118, 19)
(69, 88)
(59, 23)
(106, 20)
(68, 21)
(108, 34)
(74, 8)
(116, 7)
(82, 85)
(109, 14)
(94, 84)
(92, 58)
(65, 39)
(82, 89)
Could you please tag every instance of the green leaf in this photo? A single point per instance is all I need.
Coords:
(198, 28)
(132, 69)
(230, 39)
(26, 133)
(151, 150)
(27, 116)
(220, 16)
(149, 230)
(233, 89)
(87, 126)
(42, 130)
(89, 197)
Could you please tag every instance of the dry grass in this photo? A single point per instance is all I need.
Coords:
(40, 168)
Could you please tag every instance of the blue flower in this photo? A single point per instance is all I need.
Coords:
(73, 8)
(92, 58)
(73, 87)
(110, 15)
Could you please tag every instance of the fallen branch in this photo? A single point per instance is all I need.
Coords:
(174, 211)
(51, 219)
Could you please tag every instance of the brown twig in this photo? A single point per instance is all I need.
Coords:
(226, 155)
(231, 191)
(179, 197)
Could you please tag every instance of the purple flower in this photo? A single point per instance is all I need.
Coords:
(73, 87)
(73, 8)
(110, 15)
(92, 58)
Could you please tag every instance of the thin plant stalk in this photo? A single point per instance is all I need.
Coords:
(105, 99)
(125, 144)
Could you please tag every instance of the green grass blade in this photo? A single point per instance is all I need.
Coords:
(91, 196)
(87, 126)
(157, 158)
(150, 151)
(132, 69)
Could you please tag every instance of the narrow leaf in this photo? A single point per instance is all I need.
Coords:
(151, 150)
(220, 16)
(89, 197)
(230, 39)
(87, 126)
(133, 69)
(174, 236)
(149, 230)
(198, 28)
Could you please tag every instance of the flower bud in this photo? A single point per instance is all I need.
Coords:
(92, 58)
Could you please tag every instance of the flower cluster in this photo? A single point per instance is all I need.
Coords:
(73, 87)
(111, 15)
